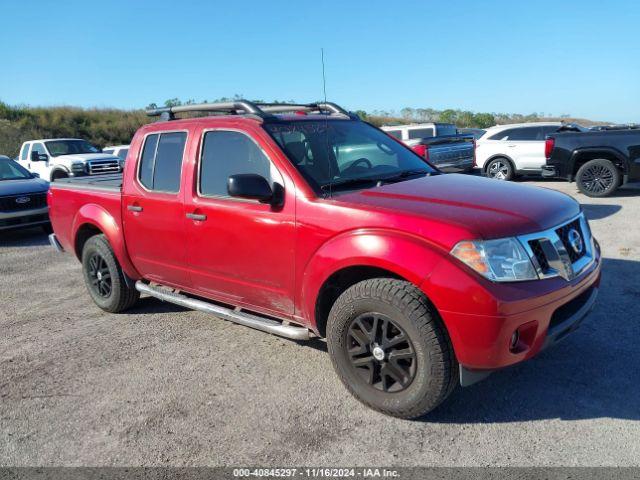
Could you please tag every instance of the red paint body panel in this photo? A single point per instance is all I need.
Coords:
(275, 260)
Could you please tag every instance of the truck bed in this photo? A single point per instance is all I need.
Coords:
(112, 182)
(70, 199)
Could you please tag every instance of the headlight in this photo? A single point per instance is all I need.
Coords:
(77, 166)
(502, 260)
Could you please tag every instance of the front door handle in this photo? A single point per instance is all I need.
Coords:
(197, 216)
(134, 208)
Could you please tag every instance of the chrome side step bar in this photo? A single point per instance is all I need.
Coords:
(235, 315)
(53, 241)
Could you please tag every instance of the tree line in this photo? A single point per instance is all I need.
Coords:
(110, 126)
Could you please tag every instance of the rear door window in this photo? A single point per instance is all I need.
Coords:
(519, 134)
(526, 134)
(161, 161)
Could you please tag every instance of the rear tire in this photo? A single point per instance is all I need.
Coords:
(104, 278)
(598, 178)
(500, 169)
(390, 349)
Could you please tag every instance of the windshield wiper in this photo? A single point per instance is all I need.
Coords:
(348, 182)
(404, 175)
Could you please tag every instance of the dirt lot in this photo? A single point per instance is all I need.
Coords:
(161, 385)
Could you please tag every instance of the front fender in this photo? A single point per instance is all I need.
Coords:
(99, 217)
(410, 257)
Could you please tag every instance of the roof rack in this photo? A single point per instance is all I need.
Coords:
(261, 111)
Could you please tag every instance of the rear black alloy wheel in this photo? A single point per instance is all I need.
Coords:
(99, 275)
(104, 278)
(598, 178)
(381, 352)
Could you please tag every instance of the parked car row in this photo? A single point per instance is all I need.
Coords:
(24, 181)
(303, 221)
(599, 159)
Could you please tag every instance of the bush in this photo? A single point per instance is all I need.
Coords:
(101, 127)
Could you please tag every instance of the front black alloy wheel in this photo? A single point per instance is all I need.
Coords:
(390, 348)
(598, 178)
(381, 352)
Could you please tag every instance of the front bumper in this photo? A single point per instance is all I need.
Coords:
(567, 319)
(24, 218)
(493, 325)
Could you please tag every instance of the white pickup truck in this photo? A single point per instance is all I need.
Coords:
(66, 157)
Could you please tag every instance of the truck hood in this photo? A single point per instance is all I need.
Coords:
(485, 208)
(83, 157)
(23, 186)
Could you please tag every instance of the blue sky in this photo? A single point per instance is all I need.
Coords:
(570, 57)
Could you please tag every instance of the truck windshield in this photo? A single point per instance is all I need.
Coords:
(10, 170)
(70, 147)
(345, 153)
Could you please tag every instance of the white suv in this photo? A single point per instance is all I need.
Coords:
(505, 151)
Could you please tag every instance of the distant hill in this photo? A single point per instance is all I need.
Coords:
(109, 126)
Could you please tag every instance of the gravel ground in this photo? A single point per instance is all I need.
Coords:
(162, 385)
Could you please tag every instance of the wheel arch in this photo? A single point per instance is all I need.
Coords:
(58, 169)
(93, 220)
(354, 257)
(583, 155)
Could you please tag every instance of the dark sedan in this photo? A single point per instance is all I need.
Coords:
(23, 197)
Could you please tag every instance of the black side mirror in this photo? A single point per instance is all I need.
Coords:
(250, 185)
(39, 157)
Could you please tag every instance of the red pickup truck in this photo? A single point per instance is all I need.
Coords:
(302, 220)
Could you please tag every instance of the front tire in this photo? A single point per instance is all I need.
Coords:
(104, 278)
(598, 178)
(500, 169)
(390, 349)
(58, 174)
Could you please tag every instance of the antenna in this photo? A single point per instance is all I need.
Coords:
(326, 123)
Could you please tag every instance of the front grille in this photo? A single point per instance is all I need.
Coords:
(28, 201)
(563, 233)
(538, 253)
(98, 167)
(564, 251)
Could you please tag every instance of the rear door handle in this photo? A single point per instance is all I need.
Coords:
(197, 216)
(134, 208)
